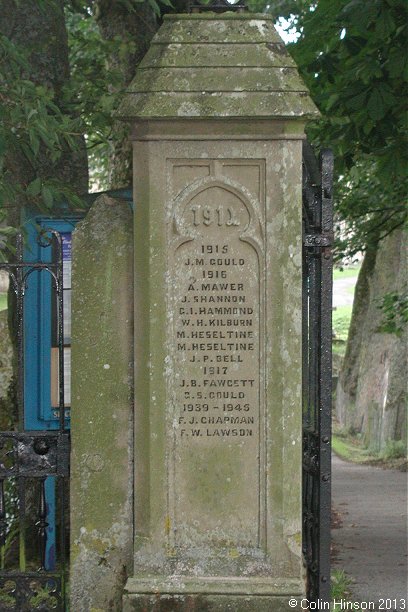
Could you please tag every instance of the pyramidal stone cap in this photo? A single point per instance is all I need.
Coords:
(208, 65)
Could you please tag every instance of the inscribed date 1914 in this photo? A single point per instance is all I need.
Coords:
(216, 302)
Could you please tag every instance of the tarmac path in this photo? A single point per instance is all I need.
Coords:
(371, 544)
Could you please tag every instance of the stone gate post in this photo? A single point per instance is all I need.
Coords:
(218, 112)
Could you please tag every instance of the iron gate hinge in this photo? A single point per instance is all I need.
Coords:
(318, 240)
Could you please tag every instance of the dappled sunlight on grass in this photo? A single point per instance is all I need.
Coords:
(348, 272)
(3, 301)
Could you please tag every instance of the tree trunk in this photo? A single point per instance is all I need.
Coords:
(38, 28)
(135, 28)
(371, 392)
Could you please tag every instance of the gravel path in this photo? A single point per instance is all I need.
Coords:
(371, 544)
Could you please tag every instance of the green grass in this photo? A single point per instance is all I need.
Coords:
(341, 324)
(351, 449)
(348, 272)
(342, 314)
(3, 301)
(340, 585)
(394, 449)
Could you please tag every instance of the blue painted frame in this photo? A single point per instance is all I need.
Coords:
(37, 326)
(38, 413)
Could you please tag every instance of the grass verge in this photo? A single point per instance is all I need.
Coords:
(348, 272)
(340, 585)
(341, 324)
(351, 449)
(3, 301)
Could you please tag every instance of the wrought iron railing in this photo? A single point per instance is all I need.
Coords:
(317, 372)
(33, 463)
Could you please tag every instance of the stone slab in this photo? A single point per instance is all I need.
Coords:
(214, 28)
(226, 65)
(206, 603)
(219, 104)
(101, 410)
(218, 288)
(209, 506)
(208, 79)
(221, 56)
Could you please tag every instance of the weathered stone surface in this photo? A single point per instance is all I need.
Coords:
(218, 503)
(207, 65)
(259, 79)
(178, 55)
(218, 310)
(206, 603)
(218, 104)
(227, 27)
(101, 414)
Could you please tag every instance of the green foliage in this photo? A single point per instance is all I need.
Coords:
(394, 307)
(98, 77)
(44, 597)
(340, 585)
(34, 133)
(90, 7)
(92, 87)
(341, 322)
(373, 207)
(351, 448)
(352, 55)
(394, 449)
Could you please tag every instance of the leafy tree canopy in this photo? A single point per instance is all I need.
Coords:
(350, 52)
(33, 128)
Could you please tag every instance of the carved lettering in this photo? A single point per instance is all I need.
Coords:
(215, 306)
(216, 293)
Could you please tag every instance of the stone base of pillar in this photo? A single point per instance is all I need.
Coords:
(178, 594)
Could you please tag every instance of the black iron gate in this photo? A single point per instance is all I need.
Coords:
(317, 375)
(33, 462)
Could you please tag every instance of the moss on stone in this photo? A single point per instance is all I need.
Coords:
(223, 28)
(217, 79)
(202, 105)
(215, 56)
(217, 66)
(101, 460)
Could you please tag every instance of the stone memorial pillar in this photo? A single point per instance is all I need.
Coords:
(218, 113)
